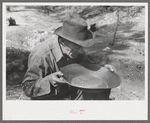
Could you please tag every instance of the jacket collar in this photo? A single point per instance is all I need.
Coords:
(56, 49)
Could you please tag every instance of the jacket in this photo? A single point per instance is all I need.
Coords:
(45, 59)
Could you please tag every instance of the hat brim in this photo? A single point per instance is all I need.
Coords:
(86, 43)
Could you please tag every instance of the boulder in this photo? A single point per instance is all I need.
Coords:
(12, 21)
(107, 49)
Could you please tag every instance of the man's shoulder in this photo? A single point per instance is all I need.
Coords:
(43, 47)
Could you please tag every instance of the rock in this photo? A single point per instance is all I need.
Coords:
(107, 49)
(46, 32)
(8, 8)
(41, 31)
(128, 45)
(24, 97)
(11, 21)
(24, 44)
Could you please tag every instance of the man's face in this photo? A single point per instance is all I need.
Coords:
(71, 49)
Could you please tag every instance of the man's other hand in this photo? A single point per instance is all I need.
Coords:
(110, 67)
(56, 78)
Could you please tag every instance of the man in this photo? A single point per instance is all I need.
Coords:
(43, 78)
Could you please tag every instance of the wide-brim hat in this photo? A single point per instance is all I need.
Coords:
(76, 31)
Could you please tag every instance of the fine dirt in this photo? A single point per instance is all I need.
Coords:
(128, 52)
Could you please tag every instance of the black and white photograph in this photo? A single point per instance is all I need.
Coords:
(75, 52)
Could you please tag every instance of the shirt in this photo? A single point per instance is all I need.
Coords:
(46, 58)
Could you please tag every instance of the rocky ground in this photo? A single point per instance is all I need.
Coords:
(127, 54)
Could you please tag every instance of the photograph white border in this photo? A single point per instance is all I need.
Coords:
(60, 110)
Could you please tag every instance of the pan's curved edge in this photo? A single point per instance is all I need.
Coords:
(116, 85)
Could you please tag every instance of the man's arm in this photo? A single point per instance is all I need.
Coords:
(42, 80)
(35, 82)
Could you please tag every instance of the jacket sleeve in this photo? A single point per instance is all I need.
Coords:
(36, 82)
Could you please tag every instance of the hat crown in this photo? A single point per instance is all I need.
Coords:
(77, 22)
(76, 31)
(76, 28)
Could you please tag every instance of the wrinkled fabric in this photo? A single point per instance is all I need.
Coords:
(45, 59)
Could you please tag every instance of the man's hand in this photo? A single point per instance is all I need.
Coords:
(110, 67)
(56, 78)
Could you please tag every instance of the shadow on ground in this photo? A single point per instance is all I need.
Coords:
(18, 10)
(116, 53)
(16, 65)
(127, 26)
(119, 46)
